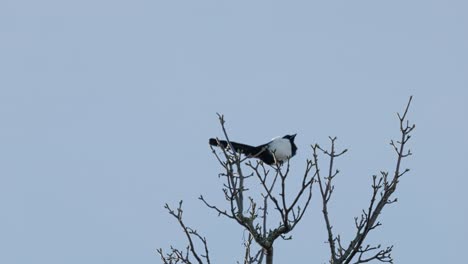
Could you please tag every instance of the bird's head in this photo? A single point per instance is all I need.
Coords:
(290, 137)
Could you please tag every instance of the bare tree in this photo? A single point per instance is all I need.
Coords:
(252, 213)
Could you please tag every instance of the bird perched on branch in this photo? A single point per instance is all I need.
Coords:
(282, 148)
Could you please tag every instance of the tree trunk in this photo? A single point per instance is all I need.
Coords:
(269, 255)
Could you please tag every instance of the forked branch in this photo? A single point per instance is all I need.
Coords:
(382, 185)
(179, 256)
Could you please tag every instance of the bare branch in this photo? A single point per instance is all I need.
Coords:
(386, 187)
(176, 255)
(326, 189)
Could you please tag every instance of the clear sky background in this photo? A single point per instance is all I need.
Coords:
(106, 108)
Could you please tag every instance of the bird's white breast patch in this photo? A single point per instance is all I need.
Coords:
(281, 147)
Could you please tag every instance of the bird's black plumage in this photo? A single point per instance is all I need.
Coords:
(282, 148)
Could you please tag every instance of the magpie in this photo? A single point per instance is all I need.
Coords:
(282, 147)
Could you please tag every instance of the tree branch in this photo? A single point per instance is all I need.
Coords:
(368, 219)
(176, 255)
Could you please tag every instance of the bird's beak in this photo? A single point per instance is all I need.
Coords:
(293, 136)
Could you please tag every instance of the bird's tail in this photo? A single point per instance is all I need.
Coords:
(238, 147)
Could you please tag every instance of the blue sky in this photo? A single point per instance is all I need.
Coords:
(106, 108)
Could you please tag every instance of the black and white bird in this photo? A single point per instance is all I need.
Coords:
(282, 148)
